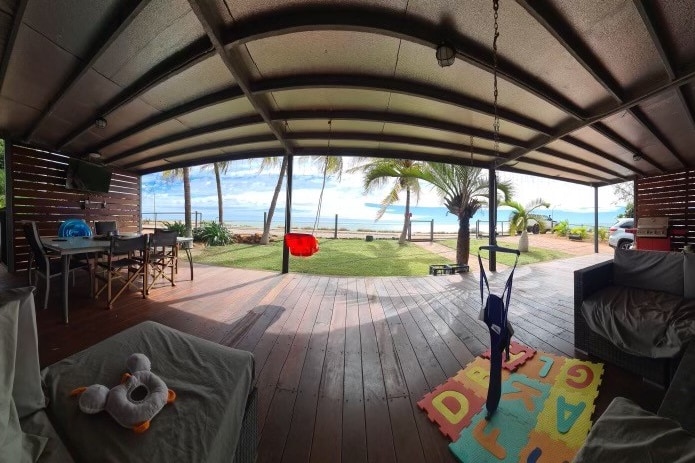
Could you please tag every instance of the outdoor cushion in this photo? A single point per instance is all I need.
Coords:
(626, 433)
(637, 321)
(689, 275)
(652, 270)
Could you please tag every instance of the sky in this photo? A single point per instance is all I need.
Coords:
(247, 190)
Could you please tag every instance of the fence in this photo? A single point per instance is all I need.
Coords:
(153, 216)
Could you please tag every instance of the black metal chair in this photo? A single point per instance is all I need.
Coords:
(126, 261)
(103, 228)
(44, 265)
(163, 256)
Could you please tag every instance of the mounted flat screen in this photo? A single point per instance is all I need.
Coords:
(87, 176)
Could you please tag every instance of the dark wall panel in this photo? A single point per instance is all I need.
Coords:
(38, 193)
(672, 196)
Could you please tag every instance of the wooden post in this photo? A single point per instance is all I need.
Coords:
(288, 213)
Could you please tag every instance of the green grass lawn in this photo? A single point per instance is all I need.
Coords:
(534, 255)
(340, 257)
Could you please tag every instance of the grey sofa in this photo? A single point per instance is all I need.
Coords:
(212, 420)
(637, 311)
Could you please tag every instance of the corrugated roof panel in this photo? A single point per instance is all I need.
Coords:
(325, 52)
(55, 19)
(161, 29)
(202, 79)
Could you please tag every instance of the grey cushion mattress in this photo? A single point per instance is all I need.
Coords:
(627, 434)
(641, 322)
(212, 383)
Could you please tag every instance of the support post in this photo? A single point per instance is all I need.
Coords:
(492, 190)
(288, 213)
(9, 206)
(431, 230)
(596, 219)
(335, 229)
(265, 219)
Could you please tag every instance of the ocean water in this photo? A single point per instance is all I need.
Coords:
(392, 220)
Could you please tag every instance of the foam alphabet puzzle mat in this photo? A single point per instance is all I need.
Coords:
(544, 414)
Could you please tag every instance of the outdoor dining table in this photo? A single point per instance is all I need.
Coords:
(83, 244)
(68, 247)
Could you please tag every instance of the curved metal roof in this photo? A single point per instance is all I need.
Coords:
(593, 92)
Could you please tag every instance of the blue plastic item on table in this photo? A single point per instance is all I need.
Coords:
(74, 227)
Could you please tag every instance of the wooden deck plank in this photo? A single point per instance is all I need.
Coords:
(457, 348)
(327, 442)
(377, 419)
(414, 353)
(296, 324)
(281, 408)
(354, 445)
(279, 341)
(300, 437)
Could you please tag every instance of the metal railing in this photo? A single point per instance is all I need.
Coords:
(156, 217)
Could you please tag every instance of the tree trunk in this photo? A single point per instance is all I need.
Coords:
(463, 242)
(406, 220)
(187, 200)
(220, 206)
(271, 210)
(523, 241)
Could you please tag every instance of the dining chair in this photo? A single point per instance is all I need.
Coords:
(44, 265)
(163, 256)
(126, 261)
(104, 227)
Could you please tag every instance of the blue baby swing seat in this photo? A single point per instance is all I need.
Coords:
(494, 314)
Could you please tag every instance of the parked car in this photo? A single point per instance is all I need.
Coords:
(621, 235)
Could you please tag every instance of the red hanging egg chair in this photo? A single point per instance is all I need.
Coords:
(301, 244)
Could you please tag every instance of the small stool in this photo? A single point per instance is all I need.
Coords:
(441, 269)
(458, 268)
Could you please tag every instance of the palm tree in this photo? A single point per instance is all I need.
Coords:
(219, 168)
(520, 216)
(377, 174)
(185, 174)
(329, 165)
(267, 163)
(464, 190)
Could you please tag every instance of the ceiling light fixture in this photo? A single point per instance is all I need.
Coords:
(445, 54)
(636, 157)
(100, 123)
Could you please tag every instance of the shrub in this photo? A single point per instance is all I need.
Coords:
(602, 233)
(581, 232)
(214, 234)
(562, 227)
(177, 225)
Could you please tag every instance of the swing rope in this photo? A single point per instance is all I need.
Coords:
(325, 174)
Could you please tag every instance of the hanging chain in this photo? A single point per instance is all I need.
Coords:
(325, 174)
(471, 144)
(496, 123)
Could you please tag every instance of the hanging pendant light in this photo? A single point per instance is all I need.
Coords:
(445, 54)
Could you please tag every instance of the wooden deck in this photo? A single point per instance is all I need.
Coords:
(341, 362)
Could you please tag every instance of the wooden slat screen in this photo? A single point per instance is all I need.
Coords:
(672, 196)
(39, 194)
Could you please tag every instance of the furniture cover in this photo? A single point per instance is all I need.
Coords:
(212, 385)
(626, 433)
(26, 434)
